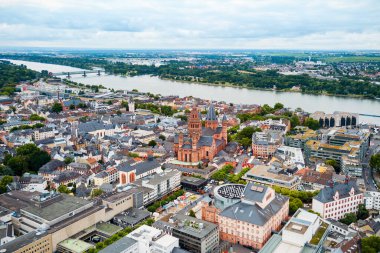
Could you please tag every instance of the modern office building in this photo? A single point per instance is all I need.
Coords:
(298, 140)
(194, 235)
(150, 239)
(272, 176)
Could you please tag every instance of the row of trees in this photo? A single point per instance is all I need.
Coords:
(152, 208)
(296, 198)
(159, 109)
(23, 127)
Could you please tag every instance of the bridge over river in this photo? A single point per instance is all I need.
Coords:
(84, 73)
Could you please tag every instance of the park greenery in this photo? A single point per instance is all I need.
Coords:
(243, 137)
(296, 198)
(374, 162)
(11, 74)
(227, 173)
(28, 158)
(165, 200)
(370, 244)
(159, 109)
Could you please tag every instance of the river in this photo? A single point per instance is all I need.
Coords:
(307, 102)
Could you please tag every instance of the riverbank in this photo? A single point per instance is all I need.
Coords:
(264, 89)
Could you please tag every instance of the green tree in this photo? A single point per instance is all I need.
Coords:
(28, 158)
(294, 121)
(192, 213)
(68, 160)
(96, 193)
(57, 107)
(266, 109)
(4, 182)
(63, 189)
(162, 137)
(294, 205)
(371, 244)
(312, 123)
(374, 162)
(362, 212)
(72, 107)
(278, 106)
(348, 218)
(334, 164)
(152, 143)
(35, 117)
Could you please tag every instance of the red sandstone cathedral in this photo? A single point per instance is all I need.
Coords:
(201, 143)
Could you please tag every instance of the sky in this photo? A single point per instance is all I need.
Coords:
(192, 24)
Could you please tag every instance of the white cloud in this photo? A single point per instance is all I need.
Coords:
(282, 24)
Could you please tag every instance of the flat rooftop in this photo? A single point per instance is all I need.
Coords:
(75, 245)
(22, 241)
(263, 172)
(296, 228)
(57, 209)
(191, 226)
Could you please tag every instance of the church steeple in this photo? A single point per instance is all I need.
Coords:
(211, 120)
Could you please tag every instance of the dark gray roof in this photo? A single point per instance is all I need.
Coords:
(327, 193)
(119, 246)
(252, 213)
(93, 126)
(65, 176)
(179, 250)
(51, 166)
(139, 167)
(205, 141)
(74, 101)
(254, 192)
(211, 115)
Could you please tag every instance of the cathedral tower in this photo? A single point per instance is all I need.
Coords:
(211, 120)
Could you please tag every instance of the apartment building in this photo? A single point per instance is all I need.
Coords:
(107, 176)
(372, 200)
(264, 144)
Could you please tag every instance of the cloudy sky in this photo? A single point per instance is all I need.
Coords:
(194, 24)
